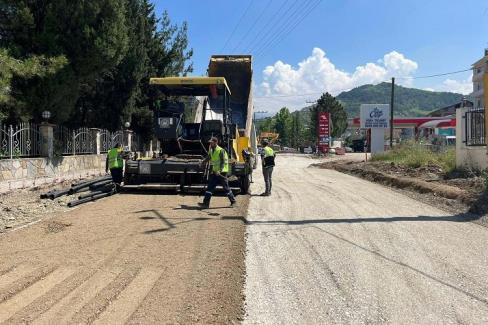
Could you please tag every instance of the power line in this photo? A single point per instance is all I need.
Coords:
(286, 20)
(254, 24)
(436, 75)
(266, 29)
(290, 30)
(237, 25)
(281, 96)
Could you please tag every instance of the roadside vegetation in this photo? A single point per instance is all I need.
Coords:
(415, 155)
(87, 62)
(299, 128)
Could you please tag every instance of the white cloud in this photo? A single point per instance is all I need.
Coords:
(464, 87)
(317, 74)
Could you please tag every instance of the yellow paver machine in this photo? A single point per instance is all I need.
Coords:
(188, 111)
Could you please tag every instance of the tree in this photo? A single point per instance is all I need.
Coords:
(266, 125)
(296, 130)
(36, 66)
(110, 48)
(92, 35)
(283, 125)
(328, 103)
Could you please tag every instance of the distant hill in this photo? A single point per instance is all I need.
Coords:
(408, 101)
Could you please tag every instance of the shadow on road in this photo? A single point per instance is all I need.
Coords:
(170, 224)
(197, 208)
(158, 215)
(464, 217)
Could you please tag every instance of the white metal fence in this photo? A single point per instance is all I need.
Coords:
(26, 140)
(21, 140)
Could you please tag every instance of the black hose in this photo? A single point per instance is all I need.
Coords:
(100, 191)
(57, 194)
(78, 187)
(89, 199)
(96, 186)
(98, 179)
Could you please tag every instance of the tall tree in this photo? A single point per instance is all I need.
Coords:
(328, 103)
(283, 125)
(92, 35)
(111, 49)
(296, 130)
(35, 66)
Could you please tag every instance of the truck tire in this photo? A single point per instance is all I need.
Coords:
(245, 184)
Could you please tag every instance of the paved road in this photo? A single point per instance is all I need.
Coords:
(331, 248)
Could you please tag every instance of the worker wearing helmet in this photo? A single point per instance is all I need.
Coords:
(115, 163)
(268, 159)
(219, 167)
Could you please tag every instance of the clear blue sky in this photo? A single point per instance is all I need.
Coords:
(439, 36)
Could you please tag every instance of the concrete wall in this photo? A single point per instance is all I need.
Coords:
(468, 157)
(28, 172)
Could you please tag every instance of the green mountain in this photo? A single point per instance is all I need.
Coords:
(408, 101)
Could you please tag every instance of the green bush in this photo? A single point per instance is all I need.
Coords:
(413, 154)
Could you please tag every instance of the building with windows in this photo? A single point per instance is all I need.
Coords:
(480, 81)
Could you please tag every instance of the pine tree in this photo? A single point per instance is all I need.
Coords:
(328, 103)
(92, 35)
(283, 125)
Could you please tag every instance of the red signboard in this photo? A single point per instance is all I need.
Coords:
(323, 132)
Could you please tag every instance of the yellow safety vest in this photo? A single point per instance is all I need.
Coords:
(268, 152)
(114, 159)
(216, 162)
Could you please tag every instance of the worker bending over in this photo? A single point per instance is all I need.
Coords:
(219, 167)
(115, 163)
(268, 159)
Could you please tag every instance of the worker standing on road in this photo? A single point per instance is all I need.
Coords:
(268, 159)
(115, 163)
(219, 167)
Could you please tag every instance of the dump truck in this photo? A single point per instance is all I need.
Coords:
(188, 111)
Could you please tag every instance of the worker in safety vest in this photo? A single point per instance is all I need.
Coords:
(115, 163)
(219, 167)
(268, 159)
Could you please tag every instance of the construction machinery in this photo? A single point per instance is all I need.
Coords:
(188, 111)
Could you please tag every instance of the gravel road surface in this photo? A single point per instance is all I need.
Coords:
(331, 248)
(127, 259)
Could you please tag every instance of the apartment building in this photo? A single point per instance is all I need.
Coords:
(480, 81)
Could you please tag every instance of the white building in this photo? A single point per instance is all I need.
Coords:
(480, 69)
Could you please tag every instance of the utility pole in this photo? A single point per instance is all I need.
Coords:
(392, 103)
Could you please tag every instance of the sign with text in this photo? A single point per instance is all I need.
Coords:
(375, 116)
(323, 132)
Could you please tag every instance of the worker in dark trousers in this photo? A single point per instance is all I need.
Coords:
(219, 168)
(268, 160)
(115, 163)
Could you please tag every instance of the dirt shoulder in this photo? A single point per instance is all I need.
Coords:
(22, 207)
(131, 258)
(455, 192)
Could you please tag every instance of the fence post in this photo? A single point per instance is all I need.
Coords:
(47, 136)
(95, 134)
(74, 143)
(11, 141)
(128, 134)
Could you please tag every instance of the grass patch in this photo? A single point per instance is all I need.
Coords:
(415, 155)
